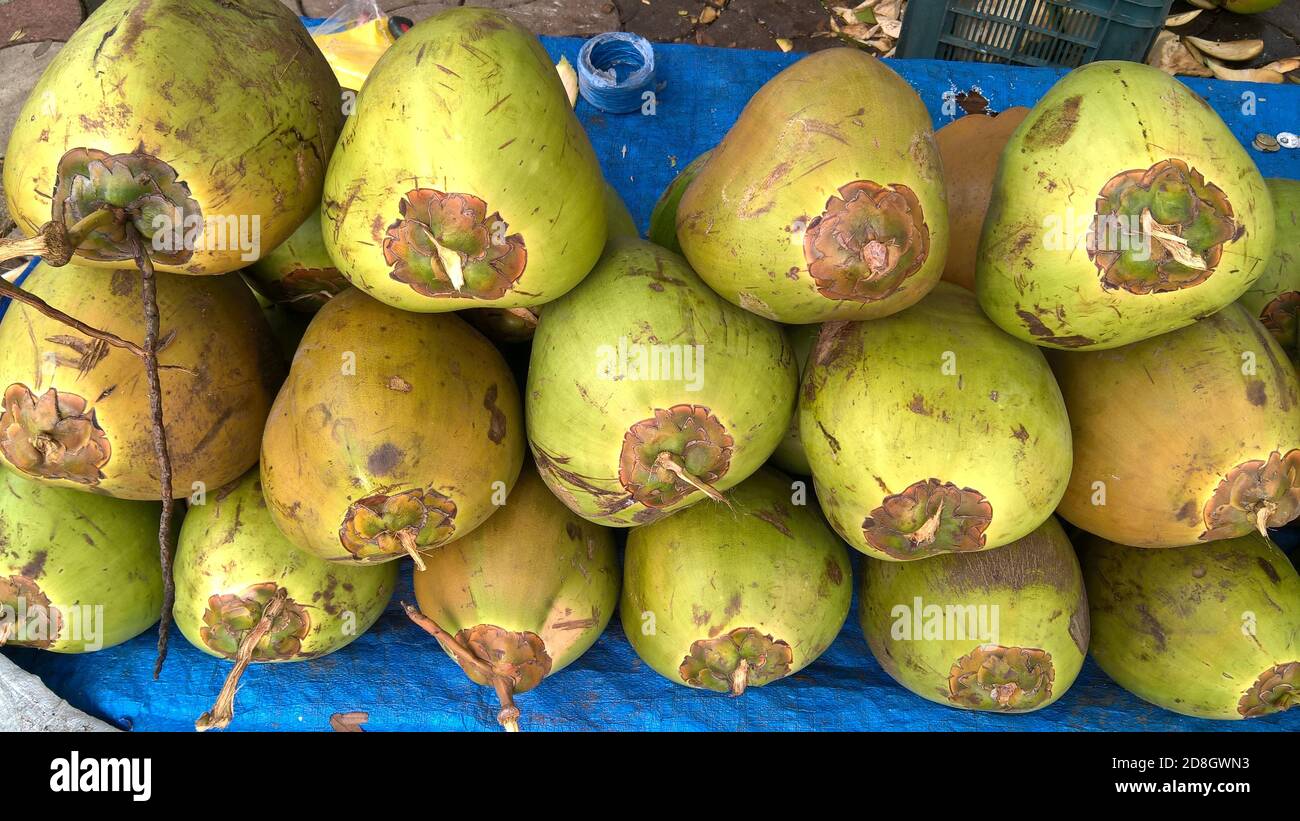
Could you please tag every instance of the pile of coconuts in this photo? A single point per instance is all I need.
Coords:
(1038, 368)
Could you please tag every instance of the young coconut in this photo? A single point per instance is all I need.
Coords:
(727, 597)
(970, 147)
(298, 274)
(245, 593)
(663, 219)
(523, 596)
(1208, 630)
(825, 200)
(931, 431)
(789, 455)
(98, 143)
(1274, 298)
(1004, 630)
(647, 392)
(395, 433)
(76, 411)
(464, 179)
(1107, 225)
(1188, 437)
(78, 573)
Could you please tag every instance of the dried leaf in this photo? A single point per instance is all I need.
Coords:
(1245, 75)
(349, 722)
(892, 28)
(784, 44)
(569, 77)
(1235, 51)
(708, 15)
(1284, 66)
(1172, 56)
(1175, 20)
(1208, 5)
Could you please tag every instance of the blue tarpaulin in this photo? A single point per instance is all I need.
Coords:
(398, 675)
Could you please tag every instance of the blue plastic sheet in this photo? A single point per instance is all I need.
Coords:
(399, 676)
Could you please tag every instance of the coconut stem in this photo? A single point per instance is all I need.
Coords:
(149, 299)
(56, 242)
(224, 708)
(407, 541)
(924, 534)
(671, 462)
(740, 678)
(509, 715)
(1262, 514)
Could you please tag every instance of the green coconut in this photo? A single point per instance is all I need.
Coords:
(208, 123)
(1123, 208)
(298, 274)
(1211, 630)
(1004, 630)
(789, 455)
(618, 220)
(78, 573)
(663, 219)
(523, 596)
(394, 433)
(1188, 437)
(727, 596)
(825, 200)
(464, 179)
(1274, 298)
(76, 411)
(647, 392)
(931, 431)
(245, 593)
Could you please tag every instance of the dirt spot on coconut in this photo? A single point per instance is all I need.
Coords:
(733, 606)
(834, 572)
(775, 520)
(384, 459)
(700, 616)
(1032, 560)
(497, 423)
(1269, 570)
(1256, 394)
(917, 405)
(1151, 626)
(1188, 513)
(35, 567)
(1055, 126)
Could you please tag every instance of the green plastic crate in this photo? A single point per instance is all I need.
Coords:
(1060, 33)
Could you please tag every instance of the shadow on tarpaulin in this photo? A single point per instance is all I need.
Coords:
(398, 675)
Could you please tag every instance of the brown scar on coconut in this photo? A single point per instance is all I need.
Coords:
(734, 661)
(260, 624)
(1173, 216)
(678, 450)
(448, 245)
(16, 589)
(54, 436)
(509, 662)
(381, 526)
(1276, 690)
(867, 242)
(929, 517)
(1007, 679)
(1259, 494)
